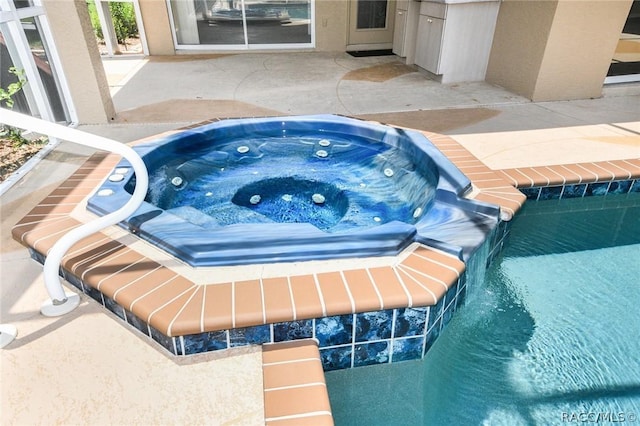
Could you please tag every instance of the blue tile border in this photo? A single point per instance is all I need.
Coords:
(371, 353)
(411, 321)
(293, 330)
(334, 330)
(551, 193)
(408, 349)
(204, 342)
(576, 190)
(338, 358)
(256, 335)
(345, 341)
(373, 325)
(497, 240)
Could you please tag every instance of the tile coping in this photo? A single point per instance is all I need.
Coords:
(116, 263)
(295, 390)
(176, 301)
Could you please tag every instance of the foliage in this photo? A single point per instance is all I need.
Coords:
(6, 97)
(124, 20)
(95, 21)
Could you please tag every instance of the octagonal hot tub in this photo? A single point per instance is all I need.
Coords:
(294, 188)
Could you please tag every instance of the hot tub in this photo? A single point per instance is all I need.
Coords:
(266, 190)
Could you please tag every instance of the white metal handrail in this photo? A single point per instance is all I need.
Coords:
(62, 302)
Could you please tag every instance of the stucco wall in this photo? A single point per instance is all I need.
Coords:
(581, 44)
(78, 50)
(332, 18)
(519, 44)
(155, 18)
(555, 50)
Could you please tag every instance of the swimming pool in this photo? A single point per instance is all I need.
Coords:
(550, 339)
(297, 188)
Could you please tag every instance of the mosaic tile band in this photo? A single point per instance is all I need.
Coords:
(345, 341)
(578, 190)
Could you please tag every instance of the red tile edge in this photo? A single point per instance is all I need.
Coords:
(565, 174)
(496, 187)
(295, 390)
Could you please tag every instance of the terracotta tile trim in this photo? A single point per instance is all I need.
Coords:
(170, 306)
(185, 309)
(567, 174)
(432, 295)
(295, 390)
(176, 306)
(293, 378)
(491, 185)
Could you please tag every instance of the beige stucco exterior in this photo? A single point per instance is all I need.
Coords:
(555, 50)
(544, 50)
(78, 51)
(332, 20)
(155, 18)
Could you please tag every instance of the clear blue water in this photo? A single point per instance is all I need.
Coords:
(551, 337)
(274, 178)
(245, 191)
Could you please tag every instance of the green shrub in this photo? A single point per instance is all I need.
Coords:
(95, 20)
(123, 16)
(6, 97)
(124, 20)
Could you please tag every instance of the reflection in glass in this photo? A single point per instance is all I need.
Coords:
(31, 27)
(22, 3)
(222, 22)
(372, 14)
(7, 52)
(278, 22)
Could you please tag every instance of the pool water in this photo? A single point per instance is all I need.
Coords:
(266, 179)
(279, 189)
(551, 338)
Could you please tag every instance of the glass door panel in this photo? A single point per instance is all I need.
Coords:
(625, 64)
(38, 48)
(222, 23)
(20, 98)
(26, 43)
(278, 22)
(242, 23)
(371, 23)
(372, 14)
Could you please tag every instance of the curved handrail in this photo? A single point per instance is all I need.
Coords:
(52, 263)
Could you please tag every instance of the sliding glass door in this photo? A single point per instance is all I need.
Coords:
(28, 53)
(625, 64)
(242, 24)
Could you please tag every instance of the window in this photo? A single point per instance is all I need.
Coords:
(242, 23)
(24, 36)
(372, 14)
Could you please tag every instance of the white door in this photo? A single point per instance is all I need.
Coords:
(371, 24)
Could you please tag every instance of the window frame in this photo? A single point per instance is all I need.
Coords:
(246, 45)
(38, 100)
